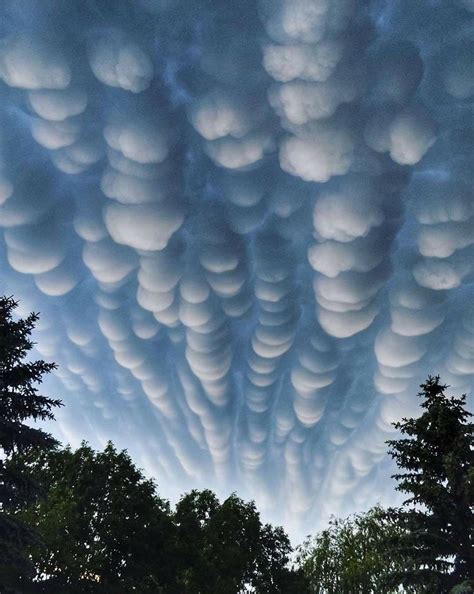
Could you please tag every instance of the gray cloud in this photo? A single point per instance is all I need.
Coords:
(249, 231)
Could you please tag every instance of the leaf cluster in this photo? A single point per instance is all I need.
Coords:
(353, 555)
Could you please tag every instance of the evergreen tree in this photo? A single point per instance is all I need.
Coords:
(20, 403)
(436, 469)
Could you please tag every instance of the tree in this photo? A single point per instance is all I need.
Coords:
(106, 530)
(352, 556)
(20, 403)
(437, 471)
(104, 527)
(273, 574)
(224, 548)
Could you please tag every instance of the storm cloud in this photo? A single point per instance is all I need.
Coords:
(248, 227)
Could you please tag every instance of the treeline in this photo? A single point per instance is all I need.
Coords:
(87, 521)
(103, 528)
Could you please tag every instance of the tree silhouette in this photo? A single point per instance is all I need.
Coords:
(20, 404)
(436, 461)
(103, 526)
(223, 548)
(105, 529)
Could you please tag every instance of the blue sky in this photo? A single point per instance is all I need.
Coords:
(249, 230)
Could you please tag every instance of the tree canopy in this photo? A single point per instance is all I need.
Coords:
(105, 529)
(103, 526)
(353, 555)
(224, 548)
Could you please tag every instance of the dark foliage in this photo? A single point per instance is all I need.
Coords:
(106, 530)
(224, 547)
(104, 527)
(435, 458)
(20, 404)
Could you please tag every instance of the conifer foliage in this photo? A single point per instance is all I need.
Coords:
(20, 404)
(435, 457)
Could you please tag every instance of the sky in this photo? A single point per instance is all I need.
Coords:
(249, 230)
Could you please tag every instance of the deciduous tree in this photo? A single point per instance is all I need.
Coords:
(104, 527)
(353, 555)
(224, 549)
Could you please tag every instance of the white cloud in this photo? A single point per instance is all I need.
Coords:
(307, 21)
(144, 226)
(441, 274)
(140, 140)
(411, 133)
(301, 102)
(395, 350)
(306, 62)
(119, 62)
(219, 114)
(26, 63)
(55, 135)
(240, 153)
(347, 214)
(58, 105)
(320, 153)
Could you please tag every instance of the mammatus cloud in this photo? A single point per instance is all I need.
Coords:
(249, 231)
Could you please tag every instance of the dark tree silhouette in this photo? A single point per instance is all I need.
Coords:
(224, 548)
(104, 527)
(20, 403)
(435, 458)
(106, 530)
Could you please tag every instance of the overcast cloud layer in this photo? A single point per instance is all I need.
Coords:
(248, 227)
